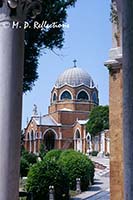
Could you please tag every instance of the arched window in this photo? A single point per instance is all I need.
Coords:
(83, 96)
(54, 97)
(77, 134)
(77, 141)
(94, 97)
(66, 95)
(32, 135)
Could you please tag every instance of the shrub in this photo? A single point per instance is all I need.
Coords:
(53, 154)
(24, 167)
(42, 151)
(70, 152)
(42, 175)
(94, 153)
(77, 165)
(31, 158)
(27, 160)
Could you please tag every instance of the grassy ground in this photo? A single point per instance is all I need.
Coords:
(72, 193)
(22, 184)
(22, 187)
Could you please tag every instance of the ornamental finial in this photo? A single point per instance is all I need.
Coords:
(34, 112)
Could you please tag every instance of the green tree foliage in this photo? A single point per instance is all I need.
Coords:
(53, 154)
(60, 169)
(30, 157)
(98, 120)
(24, 167)
(77, 165)
(27, 160)
(44, 174)
(36, 40)
(42, 151)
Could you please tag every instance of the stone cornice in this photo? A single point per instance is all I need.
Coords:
(113, 66)
(115, 59)
(117, 63)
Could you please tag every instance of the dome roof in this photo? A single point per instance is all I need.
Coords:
(74, 77)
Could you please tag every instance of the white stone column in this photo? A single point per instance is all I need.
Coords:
(34, 145)
(128, 97)
(11, 73)
(30, 143)
(11, 76)
(75, 144)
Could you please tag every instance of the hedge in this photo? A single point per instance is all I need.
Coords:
(60, 169)
(77, 165)
(46, 173)
(53, 154)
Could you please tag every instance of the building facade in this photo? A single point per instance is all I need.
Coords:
(101, 142)
(72, 98)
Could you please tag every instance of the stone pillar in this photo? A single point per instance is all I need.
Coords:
(116, 131)
(78, 187)
(51, 193)
(34, 146)
(11, 75)
(115, 67)
(128, 97)
(60, 139)
(39, 141)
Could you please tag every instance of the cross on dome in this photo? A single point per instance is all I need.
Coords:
(75, 61)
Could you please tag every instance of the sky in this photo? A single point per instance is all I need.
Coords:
(88, 40)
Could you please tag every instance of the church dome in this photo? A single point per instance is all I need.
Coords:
(74, 77)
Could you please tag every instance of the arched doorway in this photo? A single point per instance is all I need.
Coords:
(49, 140)
(89, 143)
(78, 141)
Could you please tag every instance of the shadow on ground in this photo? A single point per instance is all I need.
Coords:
(95, 188)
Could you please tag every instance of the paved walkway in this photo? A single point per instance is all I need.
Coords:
(103, 195)
(103, 161)
(100, 189)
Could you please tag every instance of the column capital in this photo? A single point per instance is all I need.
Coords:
(115, 57)
(19, 10)
(114, 64)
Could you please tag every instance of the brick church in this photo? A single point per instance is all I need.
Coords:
(72, 98)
